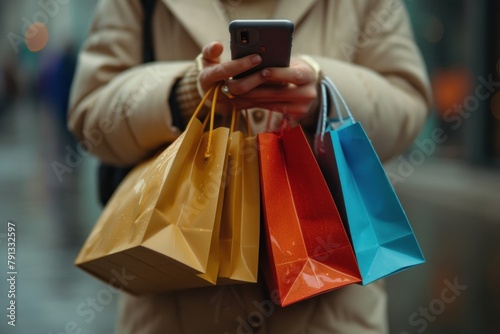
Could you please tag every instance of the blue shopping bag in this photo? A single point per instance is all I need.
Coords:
(381, 235)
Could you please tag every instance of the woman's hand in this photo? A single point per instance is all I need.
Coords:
(291, 90)
(214, 71)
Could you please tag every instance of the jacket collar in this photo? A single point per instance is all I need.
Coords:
(206, 21)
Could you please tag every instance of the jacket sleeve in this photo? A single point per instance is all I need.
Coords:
(386, 85)
(119, 107)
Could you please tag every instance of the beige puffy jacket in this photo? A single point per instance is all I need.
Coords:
(120, 109)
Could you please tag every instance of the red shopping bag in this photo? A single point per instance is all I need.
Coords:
(308, 251)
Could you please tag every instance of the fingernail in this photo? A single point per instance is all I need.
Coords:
(255, 59)
(266, 73)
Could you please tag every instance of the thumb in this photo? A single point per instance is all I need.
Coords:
(212, 52)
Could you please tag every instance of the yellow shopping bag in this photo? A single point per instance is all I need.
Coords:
(160, 229)
(240, 225)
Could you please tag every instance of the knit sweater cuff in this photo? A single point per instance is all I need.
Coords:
(187, 95)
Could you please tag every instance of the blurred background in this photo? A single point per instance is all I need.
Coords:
(448, 182)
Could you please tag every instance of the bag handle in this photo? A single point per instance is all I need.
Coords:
(329, 95)
(213, 90)
(249, 126)
(235, 120)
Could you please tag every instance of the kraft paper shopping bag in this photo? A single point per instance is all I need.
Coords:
(161, 226)
(240, 225)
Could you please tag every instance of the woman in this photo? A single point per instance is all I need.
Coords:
(365, 46)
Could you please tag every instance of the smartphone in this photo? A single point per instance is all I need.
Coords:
(271, 39)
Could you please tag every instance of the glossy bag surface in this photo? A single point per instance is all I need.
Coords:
(382, 237)
(240, 224)
(308, 251)
(161, 226)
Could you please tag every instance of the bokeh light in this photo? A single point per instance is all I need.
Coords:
(495, 106)
(451, 87)
(433, 30)
(36, 37)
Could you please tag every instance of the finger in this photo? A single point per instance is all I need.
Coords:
(216, 50)
(211, 53)
(298, 75)
(290, 93)
(246, 84)
(229, 69)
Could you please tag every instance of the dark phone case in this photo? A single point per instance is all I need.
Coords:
(271, 39)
